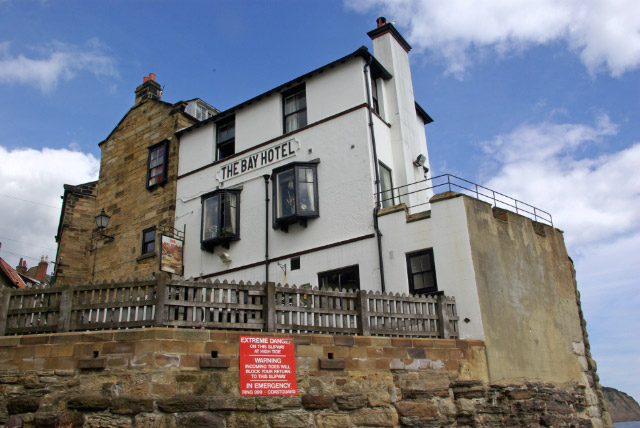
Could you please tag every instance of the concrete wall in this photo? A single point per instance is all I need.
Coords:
(156, 378)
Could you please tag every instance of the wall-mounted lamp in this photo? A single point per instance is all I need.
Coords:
(225, 257)
(420, 160)
(102, 220)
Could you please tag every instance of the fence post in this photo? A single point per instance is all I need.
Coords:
(5, 296)
(270, 306)
(161, 294)
(363, 314)
(64, 310)
(444, 325)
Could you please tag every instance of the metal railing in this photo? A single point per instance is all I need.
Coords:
(453, 183)
(164, 302)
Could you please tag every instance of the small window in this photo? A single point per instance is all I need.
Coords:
(295, 263)
(226, 138)
(148, 241)
(202, 113)
(295, 192)
(220, 219)
(347, 278)
(157, 164)
(374, 95)
(295, 109)
(386, 187)
(422, 272)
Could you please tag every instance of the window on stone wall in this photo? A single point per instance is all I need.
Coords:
(220, 219)
(347, 278)
(422, 272)
(295, 109)
(157, 164)
(226, 137)
(149, 241)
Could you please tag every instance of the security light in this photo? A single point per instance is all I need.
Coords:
(420, 160)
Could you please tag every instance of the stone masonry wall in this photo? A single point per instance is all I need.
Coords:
(74, 240)
(122, 189)
(161, 377)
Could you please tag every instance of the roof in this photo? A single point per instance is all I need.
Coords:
(11, 274)
(423, 114)
(390, 28)
(362, 52)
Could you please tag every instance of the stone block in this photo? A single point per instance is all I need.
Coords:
(416, 409)
(186, 334)
(327, 364)
(291, 419)
(232, 403)
(214, 363)
(337, 351)
(310, 351)
(444, 343)
(92, 363)
(173, 346)
(183, 403)
(196, 347)
(301, 339)
(200, 420)
(22, 404)
(118, 348)
(322, 339)
(60, 338)
(230, 349)
(189, 361)
(422, 343)
(379, 398)
(105, 420)
(9, 341)
(142, 360)
(351, 401)
(316, 402)
(131, 405)
(375, 418)
(96, 337)
(402, 342)
(65, 350)
(88, 403)
(35, 339)
(61, 363)
(380, 341)
(416, 353)
(117, 361)
(362, 341)
(343, 340)
(163, 389)
(167, 360)
(358, 352)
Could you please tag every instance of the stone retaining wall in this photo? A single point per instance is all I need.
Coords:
(190, 378)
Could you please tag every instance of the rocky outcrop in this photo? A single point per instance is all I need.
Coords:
(621, 406)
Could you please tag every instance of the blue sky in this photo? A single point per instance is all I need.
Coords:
(536, 99)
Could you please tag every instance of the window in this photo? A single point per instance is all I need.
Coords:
(220, 215)
(422, 272)
(148, 241)
(157, 164)
(347, 278)
(374, 95)
(295, 194)
(295, 263)
(386, 187)
(295, 109)
(226, 137)
(202, 113)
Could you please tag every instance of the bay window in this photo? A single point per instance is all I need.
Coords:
(295, 194)
(220, 219)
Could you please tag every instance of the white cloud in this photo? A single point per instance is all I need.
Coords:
(38, 176)
(594, 196)
(604, 33)
(58, 62)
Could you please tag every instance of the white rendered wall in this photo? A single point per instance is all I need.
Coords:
(447, 233)
(196, 148)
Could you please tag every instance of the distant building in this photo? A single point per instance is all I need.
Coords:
(136, 189)
(9, 277)
(35, 277)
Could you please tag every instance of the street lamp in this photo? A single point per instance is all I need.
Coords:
(102, 220)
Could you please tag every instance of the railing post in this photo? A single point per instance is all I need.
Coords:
(363, 314)
(5, 296)
(444, 326)
(270, 306)
(64, 310)
(161, 294)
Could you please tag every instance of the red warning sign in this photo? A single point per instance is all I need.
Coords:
(267, 366)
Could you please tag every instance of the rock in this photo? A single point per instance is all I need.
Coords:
(333, 421)
(88, 403)
(351, 401)
(375, 418)
(184, 403)
(291, 419)
(622, 407)
(416, 409)
(315, 402)
(131, 405)
(101, 420)
(200, 420)
(22, 404)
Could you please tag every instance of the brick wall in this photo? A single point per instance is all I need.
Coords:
(162, 377)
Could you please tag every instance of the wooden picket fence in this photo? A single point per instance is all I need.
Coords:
(164, 302)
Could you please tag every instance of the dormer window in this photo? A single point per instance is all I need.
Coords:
(295, 194)
(220, 219)
(157, 164)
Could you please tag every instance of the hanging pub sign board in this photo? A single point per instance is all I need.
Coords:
(267, 366)
(171, 254)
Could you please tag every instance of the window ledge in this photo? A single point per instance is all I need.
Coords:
(146, 256)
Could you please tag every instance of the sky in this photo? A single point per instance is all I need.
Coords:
(537, 99)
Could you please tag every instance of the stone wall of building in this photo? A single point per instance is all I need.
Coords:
(161, 377)
(77, 223)
(123, 193)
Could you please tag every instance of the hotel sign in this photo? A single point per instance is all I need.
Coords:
(258, 160)
(267, 366)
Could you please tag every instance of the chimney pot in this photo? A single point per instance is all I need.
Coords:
(144, 79)
(152, 76)
(381, 21)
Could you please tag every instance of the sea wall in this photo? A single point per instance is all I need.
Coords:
(162, 377)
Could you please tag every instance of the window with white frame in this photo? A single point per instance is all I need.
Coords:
(220, 219)
(295, 109)
(226, 137)
(157, 164)
(295, 194)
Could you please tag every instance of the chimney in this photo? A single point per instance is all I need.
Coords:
(41, 273)
(22, 267)
(149, 90)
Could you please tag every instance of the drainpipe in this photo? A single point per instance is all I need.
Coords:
(376, 168)
(266, 227)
